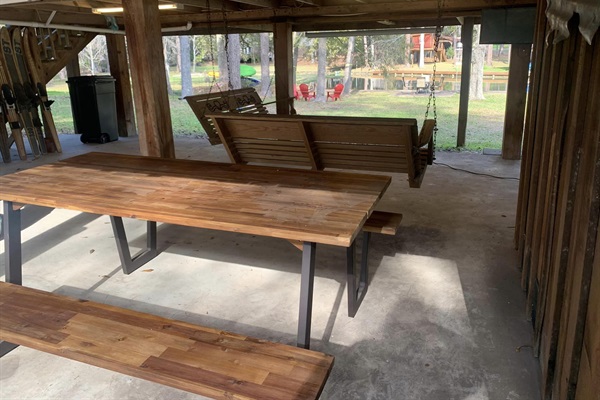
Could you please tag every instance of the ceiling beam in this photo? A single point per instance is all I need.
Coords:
(408, 7)
(258, 3)
(215, 5)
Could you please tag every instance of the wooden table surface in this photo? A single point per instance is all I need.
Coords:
(310, 206)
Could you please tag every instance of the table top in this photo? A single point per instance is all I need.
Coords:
(294, 204)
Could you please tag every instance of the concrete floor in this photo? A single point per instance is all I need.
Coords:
(443, 319)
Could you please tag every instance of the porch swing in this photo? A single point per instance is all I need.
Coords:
(323, 142)
(237, 101)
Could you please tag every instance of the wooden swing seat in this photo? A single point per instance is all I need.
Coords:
(320, 142)
(239, 101)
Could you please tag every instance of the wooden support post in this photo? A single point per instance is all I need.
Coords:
(119, 68)
(516, 96)
(465, 81)
(283, 66)
(73, 67)
(145, 49)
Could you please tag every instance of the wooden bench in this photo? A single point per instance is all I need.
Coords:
(200, 360)
(244, 100)
(319, 142)
(383, 222)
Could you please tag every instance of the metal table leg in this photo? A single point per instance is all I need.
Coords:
(306, 293)
(12, 255)
(356, 293)
(129, 263)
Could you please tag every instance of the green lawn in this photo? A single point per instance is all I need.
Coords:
(484, 130)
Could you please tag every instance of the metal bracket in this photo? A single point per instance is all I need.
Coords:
(357, 290)
(11, 228)
(306, 294)
(129, 263)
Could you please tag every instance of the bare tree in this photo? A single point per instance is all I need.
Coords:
(489, 61)
(321, 69)
(186, 71)
(233, 60)
(222, 62)
(348, 67)
(94, 58)
(265, 74)
(476, 87)
(166, 62)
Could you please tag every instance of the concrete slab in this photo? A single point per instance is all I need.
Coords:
(443, 318)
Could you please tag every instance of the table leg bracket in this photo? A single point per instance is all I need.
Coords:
(357, 289)
(129, 263)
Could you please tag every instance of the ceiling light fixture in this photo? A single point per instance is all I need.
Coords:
(115, 10)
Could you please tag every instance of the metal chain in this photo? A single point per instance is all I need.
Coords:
(229, 85)
(432, 98)
(211, 45)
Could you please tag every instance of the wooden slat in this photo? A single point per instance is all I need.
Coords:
(193, 358)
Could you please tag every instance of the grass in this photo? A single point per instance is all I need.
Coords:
(484, 129)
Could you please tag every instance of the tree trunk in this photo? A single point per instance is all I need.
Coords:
(222, 62)
(92, 63)
(265, 74)
(321, 69)
(165, 52)
(367, 62)
(408, 51)
(348, 68)
(233, 58)
(298, 38)
(490, 55)
(186, 71)
(476, 87)
(193, 47)
(177, 48)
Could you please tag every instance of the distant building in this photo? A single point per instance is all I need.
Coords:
(429, 43)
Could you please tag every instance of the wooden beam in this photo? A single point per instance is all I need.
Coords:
(73, 67)
(258, 3)
(453, 7)
(119, 69)
(145, 49)
(465, 81)
(283, 45)
(516, 96)
(64, 57)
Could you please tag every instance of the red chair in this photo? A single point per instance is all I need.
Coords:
(306, 94)
(337, 92)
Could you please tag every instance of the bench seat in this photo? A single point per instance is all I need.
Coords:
(383, 222)
(193, 358)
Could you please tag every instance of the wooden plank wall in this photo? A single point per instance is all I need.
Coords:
(559, 212)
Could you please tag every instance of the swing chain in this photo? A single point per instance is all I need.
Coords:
(431, 103)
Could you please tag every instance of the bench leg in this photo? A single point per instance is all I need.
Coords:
(356, 293)
(11, 221)
(306, 293)
(129, 263)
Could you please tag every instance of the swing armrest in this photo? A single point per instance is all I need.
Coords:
(426, 134)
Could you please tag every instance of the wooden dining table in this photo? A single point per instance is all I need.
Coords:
(311, 207)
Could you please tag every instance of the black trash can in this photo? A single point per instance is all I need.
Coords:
(94, 108)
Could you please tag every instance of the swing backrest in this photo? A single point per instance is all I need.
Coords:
(238, 101)
(319, 142)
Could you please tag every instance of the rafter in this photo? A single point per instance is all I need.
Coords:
(408, 7)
